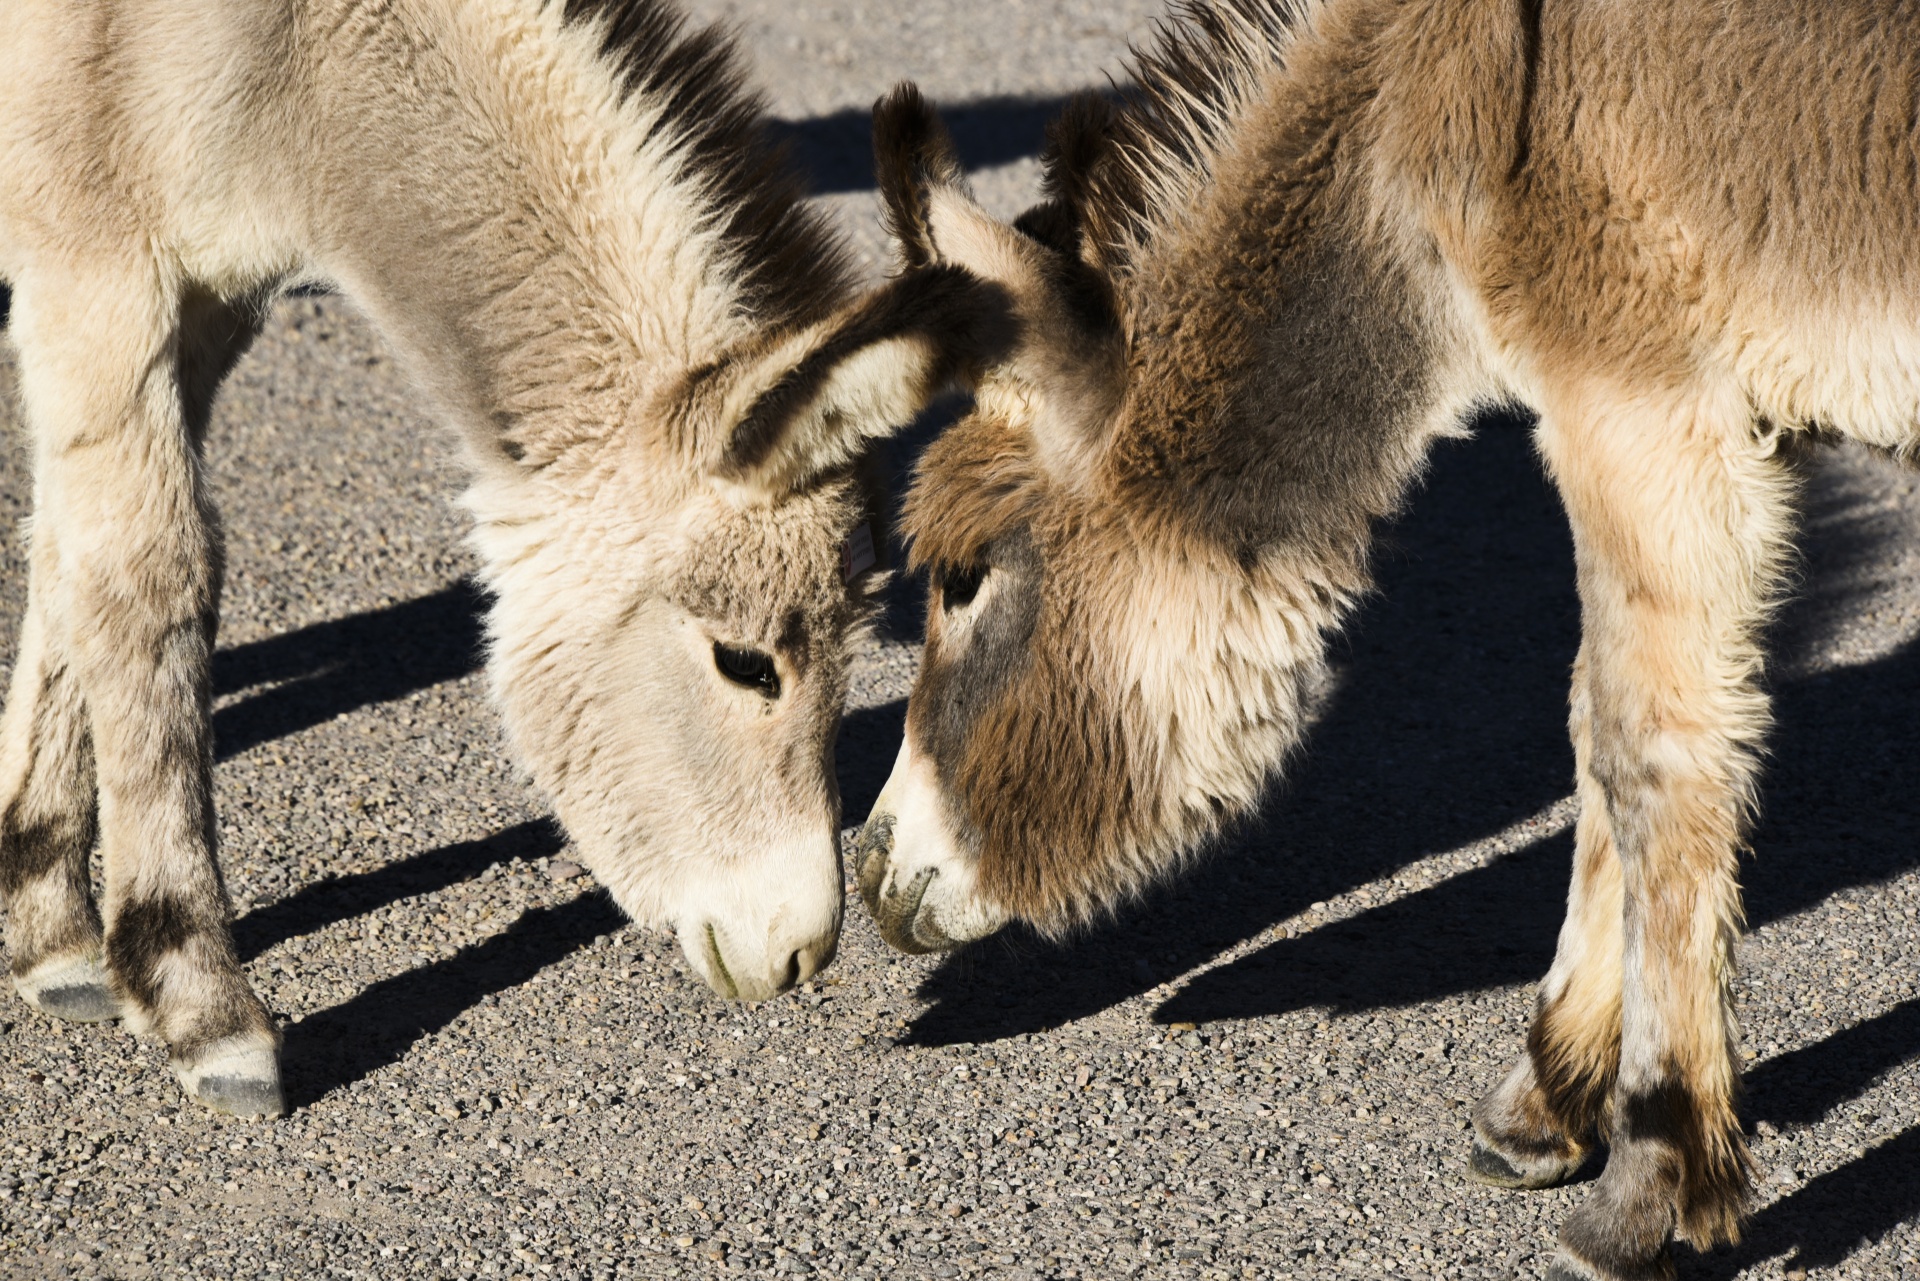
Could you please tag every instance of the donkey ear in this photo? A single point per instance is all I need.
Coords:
(928, 208)
(1072, 341)
(913, 156)
(1073, 166)
(809, 407)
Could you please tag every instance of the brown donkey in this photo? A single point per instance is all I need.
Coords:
(567, 221)
(1310, 240)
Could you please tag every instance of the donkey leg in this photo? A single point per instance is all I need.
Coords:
(118, 380)
(1679, 526)
(1537, 1127)
(47, 825)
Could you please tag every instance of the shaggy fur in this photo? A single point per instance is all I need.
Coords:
(1308, 240)
(566, 219)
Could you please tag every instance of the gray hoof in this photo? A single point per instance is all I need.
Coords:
(75, 989)
(1484, 1165)
(242, 1096)
(239, 1077)
(80, 1003)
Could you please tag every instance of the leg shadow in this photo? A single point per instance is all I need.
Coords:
(341, 898)
(1833, 1216)
(1800, 1087)
(1840, 818)
(1488, 928)
(337, 1047)
(323, 671)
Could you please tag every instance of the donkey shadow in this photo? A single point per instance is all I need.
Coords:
(1836, 1214)
(1450, 726)
(342, 898)
(376, 1027)
(337, 1046)
(1835, 818)
(319, 672)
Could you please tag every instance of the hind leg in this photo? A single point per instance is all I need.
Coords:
(1539, 1126)
(47, 824)
(1679, 526)
(118, 374)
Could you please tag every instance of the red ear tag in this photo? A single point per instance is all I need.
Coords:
(856, 554)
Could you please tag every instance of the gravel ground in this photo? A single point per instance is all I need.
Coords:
(1264, 1072)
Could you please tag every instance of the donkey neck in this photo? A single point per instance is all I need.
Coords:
(1299, 340)
(533, 218)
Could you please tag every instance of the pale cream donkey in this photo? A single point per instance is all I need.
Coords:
(1309, 240)
(566, 219)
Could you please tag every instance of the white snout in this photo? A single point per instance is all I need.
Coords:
(921, 887)
(751, 937)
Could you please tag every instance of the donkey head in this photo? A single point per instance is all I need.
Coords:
(677, 601)
(1104, 680)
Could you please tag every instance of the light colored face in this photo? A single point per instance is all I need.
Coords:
(681, 711)
(677, 599)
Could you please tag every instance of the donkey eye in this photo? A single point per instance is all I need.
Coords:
(748, 667)
(958, 586)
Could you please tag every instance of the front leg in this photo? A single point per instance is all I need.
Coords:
(1680, 525)
(117, 380)
(47, 822)
(1538, 1128)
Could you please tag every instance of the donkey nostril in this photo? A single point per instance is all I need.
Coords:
(870, 851)
(791, 973)
(725, 984)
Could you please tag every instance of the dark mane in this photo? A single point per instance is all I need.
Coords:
(1186, 86)
(793, 268)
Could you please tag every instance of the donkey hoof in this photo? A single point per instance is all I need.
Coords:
(1485, 1165)
(1620, 1258)
(1567, 1268)
(240, 1080)
(74, 988)
(1564, 1269)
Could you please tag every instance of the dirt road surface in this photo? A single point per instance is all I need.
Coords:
(1263, 1072)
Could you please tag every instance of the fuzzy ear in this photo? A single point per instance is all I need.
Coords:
(811, 404)
(913, 156)
(928, 208)
(1072, 342)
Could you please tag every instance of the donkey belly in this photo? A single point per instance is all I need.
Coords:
(1856, 375)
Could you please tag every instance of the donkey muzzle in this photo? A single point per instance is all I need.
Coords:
(895, 907)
